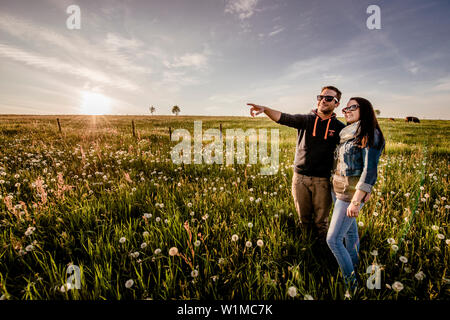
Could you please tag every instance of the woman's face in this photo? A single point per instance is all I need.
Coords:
(352, 116)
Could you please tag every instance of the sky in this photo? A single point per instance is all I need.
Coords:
(211, 57)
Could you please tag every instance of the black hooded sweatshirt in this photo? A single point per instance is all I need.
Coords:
(316, 141)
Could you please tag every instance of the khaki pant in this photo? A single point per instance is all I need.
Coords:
(312, 198)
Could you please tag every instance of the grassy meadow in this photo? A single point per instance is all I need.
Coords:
(117, 206)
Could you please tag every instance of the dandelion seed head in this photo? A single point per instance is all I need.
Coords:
(173, 251)
(397, 286)
(292, 291)
(129, 283)
(420, 275)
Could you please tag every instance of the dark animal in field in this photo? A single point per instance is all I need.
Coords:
(412, 119)
(391, 119)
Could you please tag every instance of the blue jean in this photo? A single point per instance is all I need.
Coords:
(342, 227)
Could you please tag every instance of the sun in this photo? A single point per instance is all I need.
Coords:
(95, 103)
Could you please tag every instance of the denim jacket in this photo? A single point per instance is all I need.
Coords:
(352, 160)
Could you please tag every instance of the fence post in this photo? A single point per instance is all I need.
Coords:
(220, 130)
(170, 133)
(59, 125)
(134, 132)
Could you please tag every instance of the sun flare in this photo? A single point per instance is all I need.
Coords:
(95, 103)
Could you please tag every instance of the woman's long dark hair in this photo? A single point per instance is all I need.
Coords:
(366, 130)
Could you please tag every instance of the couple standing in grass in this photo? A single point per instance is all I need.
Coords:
(350, 153)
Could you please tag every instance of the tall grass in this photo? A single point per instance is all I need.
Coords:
(99, 185)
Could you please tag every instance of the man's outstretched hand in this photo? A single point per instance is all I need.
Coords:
(255, 109)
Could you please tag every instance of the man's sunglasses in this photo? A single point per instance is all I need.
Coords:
(327, 98)
(351, 108)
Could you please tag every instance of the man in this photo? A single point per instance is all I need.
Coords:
(318, 135)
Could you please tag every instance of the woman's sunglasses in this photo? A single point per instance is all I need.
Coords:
(327, 98)
(351, 108)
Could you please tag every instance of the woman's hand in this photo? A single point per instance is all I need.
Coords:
(352, 210)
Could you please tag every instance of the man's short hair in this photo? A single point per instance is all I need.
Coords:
(338, 92)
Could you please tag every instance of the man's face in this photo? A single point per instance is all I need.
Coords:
(327, 107)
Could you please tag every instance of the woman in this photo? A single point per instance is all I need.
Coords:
(361, 144)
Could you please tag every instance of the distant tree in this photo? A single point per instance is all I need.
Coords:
(377, 112)
(176, 110)
(152, 110)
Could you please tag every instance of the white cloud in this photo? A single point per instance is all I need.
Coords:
(56, 65)
(196, 60)
(243, 8)
(116, 42)
(277, 30)
(442, 85)
(106, 53)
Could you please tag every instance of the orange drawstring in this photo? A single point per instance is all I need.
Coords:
(315, 124)
(328, 125)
